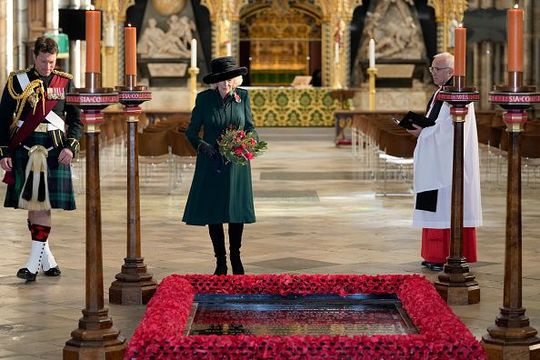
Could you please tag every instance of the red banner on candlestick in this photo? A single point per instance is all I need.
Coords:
(130, 39)
(460, 51)
(515, 39)
(93, 41)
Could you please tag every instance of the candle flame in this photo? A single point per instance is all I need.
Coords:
(516, 5)
(129, 25)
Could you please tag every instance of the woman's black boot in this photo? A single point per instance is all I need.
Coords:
(235, 242)
(218, 241)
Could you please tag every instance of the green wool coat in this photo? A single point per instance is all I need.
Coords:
(227, 196)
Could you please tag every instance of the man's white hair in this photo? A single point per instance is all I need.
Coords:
(447, 58)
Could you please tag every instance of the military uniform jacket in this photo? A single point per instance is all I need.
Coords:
(10, 115)
(225, 196)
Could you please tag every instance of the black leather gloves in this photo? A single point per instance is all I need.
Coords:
(212, 153)
(207, 149)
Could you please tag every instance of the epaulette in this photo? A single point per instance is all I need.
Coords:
(21, 71)
(63, 74)
(15, 73)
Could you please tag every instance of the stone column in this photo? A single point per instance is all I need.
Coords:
(21, 30)
(486, 65)
(3, 39)
(346, 58)
(486, 74)
(498, 72)
(527, 5)
(326, 58)
(536, 43)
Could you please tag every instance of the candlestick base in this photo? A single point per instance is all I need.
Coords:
(131, 87)
(458, 97)
(514, 100)
(133, 285)
(515, 84)
(130, 96)
(193, 72)
(372, 73)
(456, 285)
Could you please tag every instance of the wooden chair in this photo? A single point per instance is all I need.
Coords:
(154, 150)
(183, 154)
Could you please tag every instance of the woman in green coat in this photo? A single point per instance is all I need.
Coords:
(220, 192)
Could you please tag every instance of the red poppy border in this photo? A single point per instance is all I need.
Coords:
(441, 334)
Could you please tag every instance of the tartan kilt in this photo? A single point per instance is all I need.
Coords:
(59, 180)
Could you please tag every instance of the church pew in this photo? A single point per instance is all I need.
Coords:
(382, 130)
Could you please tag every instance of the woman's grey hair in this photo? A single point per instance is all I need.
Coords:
(235, 82)
(447, 58)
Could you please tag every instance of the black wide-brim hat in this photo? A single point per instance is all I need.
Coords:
(224, 68)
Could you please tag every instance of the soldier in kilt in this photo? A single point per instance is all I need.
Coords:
(39, 136)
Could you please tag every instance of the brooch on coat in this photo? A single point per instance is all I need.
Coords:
(237, 97)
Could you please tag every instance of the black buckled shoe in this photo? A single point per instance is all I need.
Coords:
(55, 271)
(25, 274)
(436, 267)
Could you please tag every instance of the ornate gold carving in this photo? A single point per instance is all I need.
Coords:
(224, 15)
(446, 13)
(280, 41)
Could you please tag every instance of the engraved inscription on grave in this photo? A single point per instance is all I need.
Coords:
(357, 314)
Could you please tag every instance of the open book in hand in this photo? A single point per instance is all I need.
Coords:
(414, 118)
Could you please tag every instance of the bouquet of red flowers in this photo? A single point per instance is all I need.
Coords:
(238, 147)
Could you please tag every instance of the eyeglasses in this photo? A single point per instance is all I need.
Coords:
(433, 69)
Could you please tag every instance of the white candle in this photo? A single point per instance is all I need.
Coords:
(193, 53)
(372, 53)
(336, 52)
(229, 48)
(109, 35)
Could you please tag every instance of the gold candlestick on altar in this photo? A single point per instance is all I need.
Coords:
(193, 72)
(372, 73)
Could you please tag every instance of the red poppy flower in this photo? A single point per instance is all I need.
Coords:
(441, 334)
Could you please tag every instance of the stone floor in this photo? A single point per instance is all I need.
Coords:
(318, 210)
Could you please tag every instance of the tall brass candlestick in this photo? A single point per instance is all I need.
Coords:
(372, 73)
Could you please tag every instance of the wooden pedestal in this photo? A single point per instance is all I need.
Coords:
(134, 286)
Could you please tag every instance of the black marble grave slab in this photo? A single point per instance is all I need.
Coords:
(359, 314)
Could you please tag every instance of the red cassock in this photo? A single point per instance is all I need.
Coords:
(436, 244)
